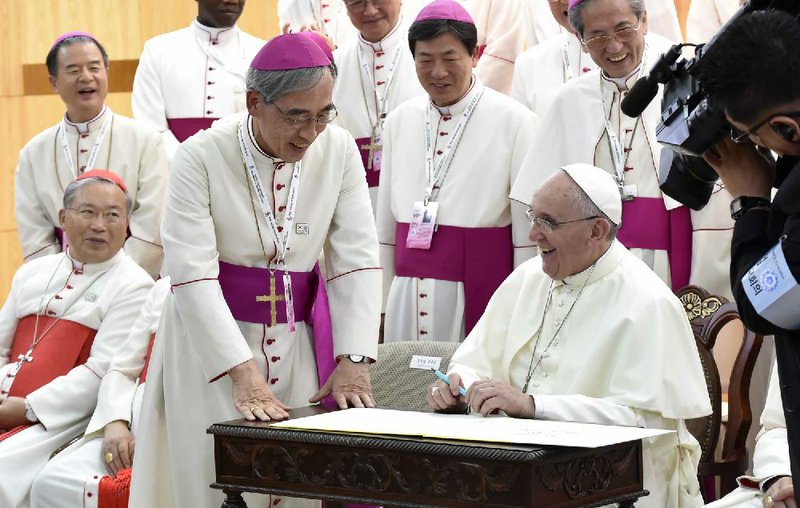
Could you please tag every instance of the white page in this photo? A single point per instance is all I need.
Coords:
(497, 429)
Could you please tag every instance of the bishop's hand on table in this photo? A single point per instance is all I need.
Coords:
(251, 395)
(349, 385)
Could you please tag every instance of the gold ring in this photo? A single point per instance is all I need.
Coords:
(253, 409)
(109, 457)
(767, 501)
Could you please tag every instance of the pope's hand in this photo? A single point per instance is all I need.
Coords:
(445, 398)
(486, 396)
(12, 413)
(349, 383)
(743, 169)
(118, 446)
(251, 395)
(782, 493)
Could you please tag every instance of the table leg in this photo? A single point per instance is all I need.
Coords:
(627, 504)
(233, 499)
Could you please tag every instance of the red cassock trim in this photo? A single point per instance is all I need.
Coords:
(65, 346)
(15, 430)
(143, 375)
(113, 491)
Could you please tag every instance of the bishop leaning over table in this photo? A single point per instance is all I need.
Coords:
(251, 204)
(586, 332)
(64, 318)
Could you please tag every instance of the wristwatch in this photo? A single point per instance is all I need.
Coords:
(29, 414)
(356, 358)
(744, 203)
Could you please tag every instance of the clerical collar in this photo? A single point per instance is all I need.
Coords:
(212, 34)
(626, 82)
(90, 125)
(94, 268)
(259, 153)
(459, 106)
(389, 42)
(604, 265)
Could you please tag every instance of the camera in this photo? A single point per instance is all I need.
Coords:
(690, 124)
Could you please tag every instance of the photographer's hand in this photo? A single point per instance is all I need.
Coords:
(744, 171)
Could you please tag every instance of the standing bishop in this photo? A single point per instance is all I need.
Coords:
(585, 124)
(188, 78)
(449, 234)
(377, 75)
(89, 135)
(251, 206)
(63, 320)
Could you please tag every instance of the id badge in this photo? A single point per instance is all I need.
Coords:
(377, 155)
(423, 222)
(629, 192)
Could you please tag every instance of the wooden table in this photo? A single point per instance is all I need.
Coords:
(401, 471)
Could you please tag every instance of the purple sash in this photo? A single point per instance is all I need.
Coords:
(647, 224)
(481, 258)
(183, 128)
(242, 284)
(373, 177)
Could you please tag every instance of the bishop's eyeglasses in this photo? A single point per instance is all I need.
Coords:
(360, 5)
(547, 226)
(625, 34)
(297, 121)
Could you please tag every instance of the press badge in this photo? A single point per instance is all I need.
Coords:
(423, 222)
(773, 290)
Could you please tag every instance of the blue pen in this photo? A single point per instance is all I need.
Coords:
(446, 379)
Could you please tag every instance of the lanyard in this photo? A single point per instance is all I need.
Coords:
(438, 174)
(281, 241)
(618, 155)
(381, 101)
(568, 72)
(98, 142)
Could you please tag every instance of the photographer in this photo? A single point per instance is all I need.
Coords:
(752, 73)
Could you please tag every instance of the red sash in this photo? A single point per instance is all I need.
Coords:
(143, 375)
(113, 491)
(65, 346)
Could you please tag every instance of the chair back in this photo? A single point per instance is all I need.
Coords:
(708, 314)
(395, 384)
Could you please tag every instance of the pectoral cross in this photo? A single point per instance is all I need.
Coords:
(24, 358)
(372, 147)
(272, 298)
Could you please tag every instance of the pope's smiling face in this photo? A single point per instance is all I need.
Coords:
(618, 55)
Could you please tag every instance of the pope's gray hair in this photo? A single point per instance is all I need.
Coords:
(75, 186)
(272, 85)
(575, 15)
(587, 208)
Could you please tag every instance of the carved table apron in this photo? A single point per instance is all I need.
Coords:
(402, 471)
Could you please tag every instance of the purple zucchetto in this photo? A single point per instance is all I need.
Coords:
(320, 41)
(290, 51)
(445, 9)
(572, 3)
(76, 33)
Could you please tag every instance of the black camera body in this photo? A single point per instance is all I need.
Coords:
(690, 125)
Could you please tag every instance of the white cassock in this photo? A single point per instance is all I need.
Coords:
(706, 17)
(472, 196)
(374, 78)
(635, 363)
(105, 297)
(128, 148)
(188, 78)
(210, 226)
(542, 69)
(72, 478)
(576, 132)
(502, 36)
(770, 456)
(329, 16)
(539, 22)
(662, 19)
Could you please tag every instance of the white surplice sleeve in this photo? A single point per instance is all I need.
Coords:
(36, 233)
(385, 221)
(147, 98)
(191, 260)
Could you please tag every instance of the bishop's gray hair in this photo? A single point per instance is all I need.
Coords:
(575, 15)
(272, 85)
(76, 185)
(51, 61)
(586, 207)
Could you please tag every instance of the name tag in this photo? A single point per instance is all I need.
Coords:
(423, 222)
(773, 290)
(301, 228)
(425, 362)
(629, 192)
(90, 297)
